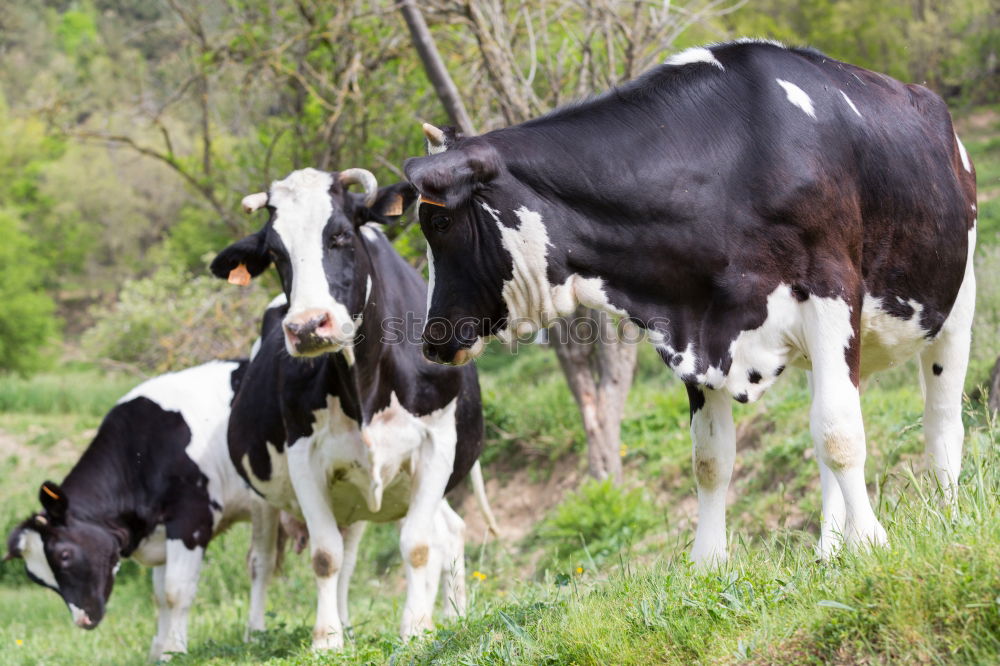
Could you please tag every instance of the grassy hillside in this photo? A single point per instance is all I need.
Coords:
(590, 574)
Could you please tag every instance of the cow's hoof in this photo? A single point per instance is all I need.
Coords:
(418, 628)
(325, 640)
(707, 558)
(869, 536)
(828, 547)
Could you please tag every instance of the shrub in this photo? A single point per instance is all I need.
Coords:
(597, 522)
(171, 320)
(27, 318)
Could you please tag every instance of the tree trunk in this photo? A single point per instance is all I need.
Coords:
(598, 366)
(445, 88)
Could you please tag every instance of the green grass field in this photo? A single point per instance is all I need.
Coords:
(600, 577)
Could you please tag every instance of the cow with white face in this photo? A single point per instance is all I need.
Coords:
(753, 207)
(341, 420)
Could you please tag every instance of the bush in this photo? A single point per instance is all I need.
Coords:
(170, 321)
(27, 318)
(597, 522)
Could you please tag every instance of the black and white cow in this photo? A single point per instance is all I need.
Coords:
(155, 484)
(752, 207)
(341, 420)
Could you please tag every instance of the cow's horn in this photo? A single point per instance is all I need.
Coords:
(252, 202)
(365, 179)
(434, 134)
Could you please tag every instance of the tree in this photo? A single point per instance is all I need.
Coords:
(27, 318)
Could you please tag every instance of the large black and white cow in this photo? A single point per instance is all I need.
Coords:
(340, 419)
(155, 484)
(752, 207)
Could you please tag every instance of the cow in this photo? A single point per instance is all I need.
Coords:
(751, 206)
(340, 419)
(155, 485)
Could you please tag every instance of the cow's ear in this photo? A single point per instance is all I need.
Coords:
(390, 203)
(449, 178)
(15, 543)
(242, 260)
(53, 500)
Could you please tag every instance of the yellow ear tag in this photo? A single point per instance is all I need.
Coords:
(396, 207)
(239, 275)
(50, 493)
(425, 200)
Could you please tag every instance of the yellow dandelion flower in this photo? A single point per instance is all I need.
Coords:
(623, 450)
(579, 570)
(479, 575)
(19, 641)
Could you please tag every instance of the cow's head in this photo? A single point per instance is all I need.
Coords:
(77, 559)
(313, 237)
(460, 190)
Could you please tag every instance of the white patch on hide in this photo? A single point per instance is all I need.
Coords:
(851, 104)
(693, 55)
(798, 97)
(33, 551)
(964, 155)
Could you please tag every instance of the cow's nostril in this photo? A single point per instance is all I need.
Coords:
(430, 353)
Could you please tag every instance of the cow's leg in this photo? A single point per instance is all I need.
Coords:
(452, 540)
(436, 458)
(263, 556)
(326, 545)
(436, 558)
(162, 612)
(942, 365)
(834, 511)
(180, 583)
(352, 540)
(831, 329)
(713, 452)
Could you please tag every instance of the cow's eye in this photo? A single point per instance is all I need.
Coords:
(65, 556)
(441, 222)
(339, 240)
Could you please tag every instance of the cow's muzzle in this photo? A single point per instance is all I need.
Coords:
(454, 353)
(313, 332)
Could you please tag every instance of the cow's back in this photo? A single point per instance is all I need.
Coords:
(870, 160)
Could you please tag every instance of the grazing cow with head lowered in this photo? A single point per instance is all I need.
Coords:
(341, 419)
(156, 485)
(752, 207)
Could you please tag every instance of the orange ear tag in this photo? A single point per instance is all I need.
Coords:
(396, 207)
(425, 200)
(50, 493)
(239, 275)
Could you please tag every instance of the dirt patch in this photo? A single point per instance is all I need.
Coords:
(518, 498)
(62, 453)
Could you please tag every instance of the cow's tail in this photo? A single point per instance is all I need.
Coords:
(479, 490)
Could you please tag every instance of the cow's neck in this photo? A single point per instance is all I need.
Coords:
(362, 371)
(101, 490)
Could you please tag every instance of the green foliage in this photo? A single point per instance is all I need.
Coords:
(192, 239)
(599, 521)
(522, 431)
(79, 390)
(28, 326)
(76, 32)
(948, 45)
(170, 321)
